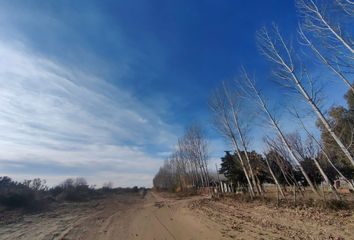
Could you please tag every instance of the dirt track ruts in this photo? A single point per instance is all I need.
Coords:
(129, 216)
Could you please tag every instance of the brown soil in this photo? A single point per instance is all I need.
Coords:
(160, 216)
(256, 220)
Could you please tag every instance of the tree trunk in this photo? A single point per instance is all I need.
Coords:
(274, 178)
(244, 168)
(325, 154)
(322, 118)
(326, 179)
(280, 134)
(240, 134)
(331, 29)
(325, 61)
(285, 142)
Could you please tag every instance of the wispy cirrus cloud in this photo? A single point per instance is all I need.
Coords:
(53, 115)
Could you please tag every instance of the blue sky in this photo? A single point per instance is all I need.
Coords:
(103, 89)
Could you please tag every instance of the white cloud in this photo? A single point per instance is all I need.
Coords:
(52, 114)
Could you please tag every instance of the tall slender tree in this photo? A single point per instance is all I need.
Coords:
(255, 95)
(278, 52)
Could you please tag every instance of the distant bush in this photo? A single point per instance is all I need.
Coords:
(17, 199)
(73, 190)
(55, 191)
(107, 185)
(34, 195)
(16, 195)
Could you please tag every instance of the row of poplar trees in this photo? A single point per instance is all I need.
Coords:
(187, 167)
(323, 54)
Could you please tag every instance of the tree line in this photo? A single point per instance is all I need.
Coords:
(187, 166)
(322, 54)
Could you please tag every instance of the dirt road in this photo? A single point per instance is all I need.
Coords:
(123, 217)
(129, 216)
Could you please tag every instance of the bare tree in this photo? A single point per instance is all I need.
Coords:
(187, 166)
(164, 178)
(282, 159)
(318, 19)
(233, 100)
(255, 95)
(322, 149)
(198, 151)
(274, 177)
(311, 152)
(278, 52)
(347, 6)
(333, 66)
(223, 122)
